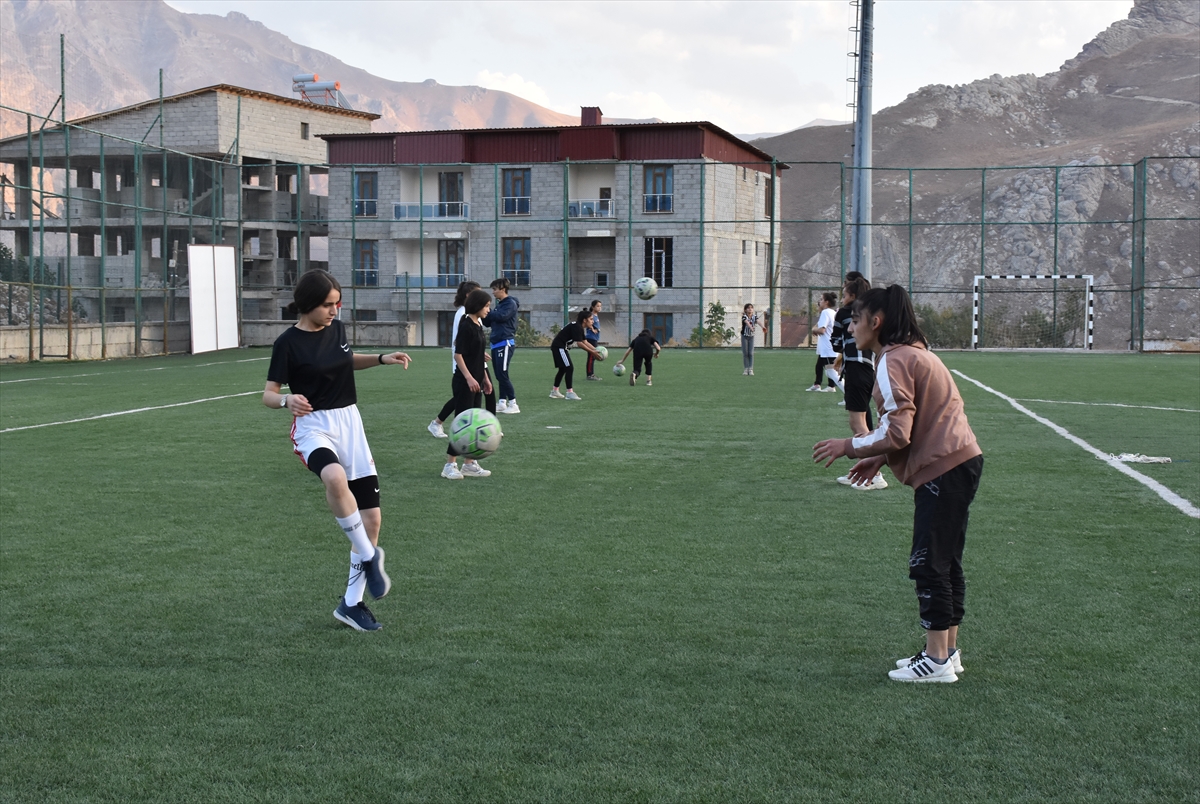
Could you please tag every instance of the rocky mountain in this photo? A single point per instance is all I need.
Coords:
(114, 49)
(1133, 92)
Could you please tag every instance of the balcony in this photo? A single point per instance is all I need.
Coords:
(591, 208)
(366, 208)
(443, 210)
(515, 205)
(444, 281)
(658, 204)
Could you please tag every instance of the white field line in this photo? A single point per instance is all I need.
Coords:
(1152, 484)
(156, 368)
(1106, 405)
(127, 412)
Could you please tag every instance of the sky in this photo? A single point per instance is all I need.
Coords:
(750, 66)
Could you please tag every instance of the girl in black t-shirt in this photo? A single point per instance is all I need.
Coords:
(645, 348)
(567, 337)
(471, 382)
(313, 358)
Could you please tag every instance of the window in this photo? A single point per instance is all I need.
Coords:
(304, 131)
(745, 246)
(517, 193)
(601, 279)
(366, 194)
(365, 315)
(659, 188)
(767, 205)
(450, 195)
(659, 324)
(445, 327)
(451, 263)
(366, 262)
(516, 260)
(659, 260)
(118, 315)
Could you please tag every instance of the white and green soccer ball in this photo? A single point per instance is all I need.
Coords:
(645, 288)
(603, 350)
(619, 369)
(475, 433)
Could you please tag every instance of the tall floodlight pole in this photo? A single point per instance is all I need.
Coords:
(860, 204)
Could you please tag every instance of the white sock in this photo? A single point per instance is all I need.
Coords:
(358, 581)
(357, 534)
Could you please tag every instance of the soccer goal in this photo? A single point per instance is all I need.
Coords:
(1028, 311)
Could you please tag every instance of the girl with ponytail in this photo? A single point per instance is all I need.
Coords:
(924, 438)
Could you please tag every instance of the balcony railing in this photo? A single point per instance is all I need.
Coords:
(445, 281)
(443, 209)
(591, 208)
(365, 208)
(514, 205)
(658, 203)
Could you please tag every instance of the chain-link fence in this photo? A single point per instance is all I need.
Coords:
(95, 230)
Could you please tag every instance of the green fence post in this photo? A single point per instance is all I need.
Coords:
(566, 238)
(700, 325)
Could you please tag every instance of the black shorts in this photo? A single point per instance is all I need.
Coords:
(859, 379)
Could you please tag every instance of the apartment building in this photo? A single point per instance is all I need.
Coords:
(106, 208)
(567, 214)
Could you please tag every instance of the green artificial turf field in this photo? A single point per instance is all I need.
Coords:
(655, 597)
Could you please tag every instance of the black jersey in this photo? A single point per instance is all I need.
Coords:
(318, 365)
(568, 335)
(471, 344)
(643, 346)
(843, 341)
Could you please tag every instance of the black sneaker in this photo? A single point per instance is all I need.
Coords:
(378, 582)
(357, 617)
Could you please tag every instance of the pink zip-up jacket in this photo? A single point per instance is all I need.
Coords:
(922, 430)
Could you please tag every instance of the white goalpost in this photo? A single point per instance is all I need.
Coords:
(1032, 311)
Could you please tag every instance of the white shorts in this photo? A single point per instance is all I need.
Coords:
(339, 430)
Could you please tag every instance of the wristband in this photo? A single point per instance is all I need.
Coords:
(381, 359)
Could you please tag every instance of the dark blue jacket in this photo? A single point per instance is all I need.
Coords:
(503, 319)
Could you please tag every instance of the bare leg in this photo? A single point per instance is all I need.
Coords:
(937, 644)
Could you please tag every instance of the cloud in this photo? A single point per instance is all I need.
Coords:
(515, 84)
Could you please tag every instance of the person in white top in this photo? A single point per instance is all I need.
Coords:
(825, 353)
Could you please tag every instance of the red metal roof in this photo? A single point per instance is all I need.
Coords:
(628, 141)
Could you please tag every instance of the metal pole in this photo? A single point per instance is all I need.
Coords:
(240, 233)
(162, 247)
(1054, 258)
(982, 219)
(629, 237)
(421, 242)
(103, 252)
(137, 249)
(496, 219)
(355, 263)
(861, 210)
(701, 289)
(910, 232)
(29, 256)
(41, 247)
(566, 250)
(842, 218)
(771, 257)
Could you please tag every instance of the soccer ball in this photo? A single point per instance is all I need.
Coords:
(645, 288)
(603, 350)
(619, 369)
(475, 433)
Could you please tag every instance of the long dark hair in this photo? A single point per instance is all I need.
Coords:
(584, 315)
(311, 291)
(464, 288)
(476, 300)
(899, 319)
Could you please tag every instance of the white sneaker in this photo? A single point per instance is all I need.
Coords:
(556, 395)
(877, 482)
(813, 388)
(925, 670)
(450, 472)
(435, 429)
(751, 372)
(501, 404)
(845, 480)
(842, 404)
(510, 408)
(955, 658)
(573, 395)
(828, 390)
(745, 372)
(473, 470)
(649, 381)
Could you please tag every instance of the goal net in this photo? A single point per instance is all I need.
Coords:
(1047, 311)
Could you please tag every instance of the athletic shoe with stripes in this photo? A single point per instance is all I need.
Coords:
(357, 617)
(955, 656)
(378, 582)
(925, 670)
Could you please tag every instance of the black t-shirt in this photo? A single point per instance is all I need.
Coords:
(643, 346)
(568, 335)
(470, 343)
(318, 365)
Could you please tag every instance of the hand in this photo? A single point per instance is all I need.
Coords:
(829, 450)
(837, 364)
(865, 469)
(472, 384)
(487, 385)
(397, 358)
(487, 356)
(298, 405)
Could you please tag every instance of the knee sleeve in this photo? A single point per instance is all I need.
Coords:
(366, 491)
(319, 458)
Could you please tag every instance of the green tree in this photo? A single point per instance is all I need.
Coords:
(714, 332)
